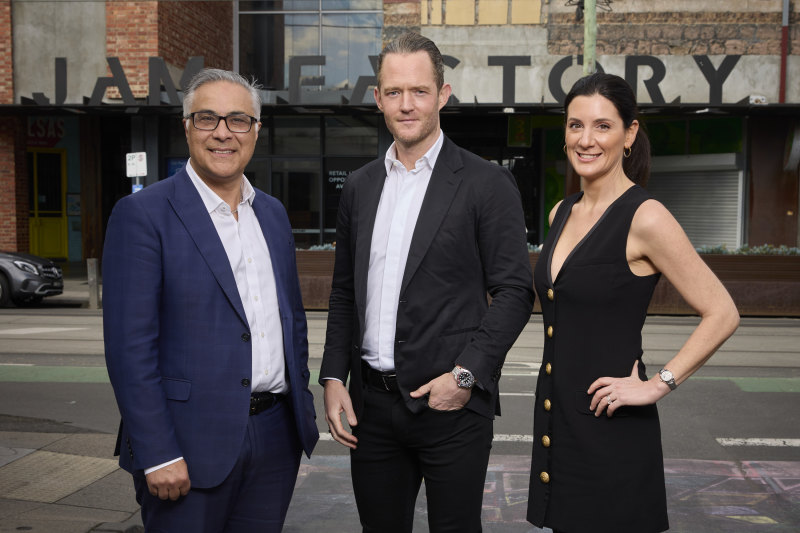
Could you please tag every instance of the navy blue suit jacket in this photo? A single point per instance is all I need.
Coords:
(177, 340)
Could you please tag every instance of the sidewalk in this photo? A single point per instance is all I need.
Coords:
(56, 478)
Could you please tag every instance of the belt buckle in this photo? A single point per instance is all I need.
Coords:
(385, 384)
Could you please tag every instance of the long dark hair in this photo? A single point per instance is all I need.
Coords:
(618, 92)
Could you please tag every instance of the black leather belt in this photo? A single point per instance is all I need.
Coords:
(261, 401)
(381, 380)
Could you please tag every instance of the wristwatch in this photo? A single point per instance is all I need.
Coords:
(464, 377)
(667, 377)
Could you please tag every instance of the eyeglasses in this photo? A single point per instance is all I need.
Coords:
(236, 122)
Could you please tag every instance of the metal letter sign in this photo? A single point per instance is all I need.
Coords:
(136, 164)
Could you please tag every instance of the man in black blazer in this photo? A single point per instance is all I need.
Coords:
(422, 236)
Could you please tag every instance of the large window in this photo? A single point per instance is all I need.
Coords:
(310, 51)
(306, 160)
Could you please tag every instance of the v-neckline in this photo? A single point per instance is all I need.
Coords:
(583, 239)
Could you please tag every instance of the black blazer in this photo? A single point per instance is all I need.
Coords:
(469, 240)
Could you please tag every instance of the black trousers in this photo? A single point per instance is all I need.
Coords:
(398, 449)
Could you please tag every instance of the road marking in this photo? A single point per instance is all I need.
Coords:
(497, 438)
(517, 394)
(53, 374)
(36, 331)
(780, 443)
(501, 437)
(758, 384)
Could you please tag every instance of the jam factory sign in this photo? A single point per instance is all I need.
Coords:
(501, 80)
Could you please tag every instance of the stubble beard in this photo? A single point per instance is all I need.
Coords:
(410, 139)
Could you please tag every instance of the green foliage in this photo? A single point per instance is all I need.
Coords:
(319, 247)
(764, 249)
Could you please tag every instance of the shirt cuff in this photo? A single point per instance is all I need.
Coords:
(162, 465)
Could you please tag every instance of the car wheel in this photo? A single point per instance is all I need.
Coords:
(5, 293)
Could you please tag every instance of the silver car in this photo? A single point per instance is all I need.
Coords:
(26, 278)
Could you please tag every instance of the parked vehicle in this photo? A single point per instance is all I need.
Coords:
(26, 278)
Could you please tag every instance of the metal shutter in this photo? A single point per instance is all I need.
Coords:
(704, 193)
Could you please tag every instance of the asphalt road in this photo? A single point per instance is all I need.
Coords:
(731, 434)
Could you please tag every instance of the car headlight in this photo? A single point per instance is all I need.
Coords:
(27, 267)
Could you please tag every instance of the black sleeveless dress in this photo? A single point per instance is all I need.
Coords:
(590, 473)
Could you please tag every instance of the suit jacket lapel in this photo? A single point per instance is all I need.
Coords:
(442, 188)
(367, 200)
(190, 209)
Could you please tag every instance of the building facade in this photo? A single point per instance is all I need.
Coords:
(84, 85)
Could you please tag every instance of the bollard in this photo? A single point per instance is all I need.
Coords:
(94, 287)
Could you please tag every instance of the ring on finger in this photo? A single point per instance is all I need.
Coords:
(609, 400)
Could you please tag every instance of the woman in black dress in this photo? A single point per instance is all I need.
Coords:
(597, 463)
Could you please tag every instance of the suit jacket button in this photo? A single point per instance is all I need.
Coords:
(544, 477)
(245, 382)
(246, 337)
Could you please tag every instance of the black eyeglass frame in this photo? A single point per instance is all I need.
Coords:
(191, 116)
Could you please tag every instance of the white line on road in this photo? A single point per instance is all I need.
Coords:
(780, 443)
(517, 394)
(36, 331)
(497, 438)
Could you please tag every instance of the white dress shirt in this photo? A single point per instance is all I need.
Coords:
(250, 262)
(395, 221)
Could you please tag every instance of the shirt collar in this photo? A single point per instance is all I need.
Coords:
(211, 200)
(429, 158)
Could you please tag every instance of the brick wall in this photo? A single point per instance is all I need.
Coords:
(175, 31)
(13, 186)
(703, 33)
(189, 29)
(400, 16)
(132, 36)
(13, 191)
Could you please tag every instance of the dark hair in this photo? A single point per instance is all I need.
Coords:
(618, 92)
(410, 43)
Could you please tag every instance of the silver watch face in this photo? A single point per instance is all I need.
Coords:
(465, 379)
(666, 375)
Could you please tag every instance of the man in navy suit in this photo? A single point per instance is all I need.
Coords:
(205, 332)
(423, 235)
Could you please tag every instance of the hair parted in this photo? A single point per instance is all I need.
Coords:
(410, 43)
(208, 75)
(617, 91)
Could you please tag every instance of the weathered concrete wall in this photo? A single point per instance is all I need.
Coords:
(44, 31)
(474, 79)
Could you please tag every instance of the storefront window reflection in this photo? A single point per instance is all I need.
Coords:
(356, 135)
(344, 32)
(297, 135)
(296, 183)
